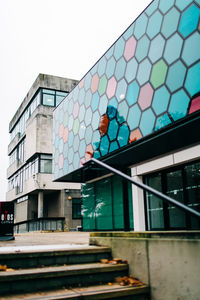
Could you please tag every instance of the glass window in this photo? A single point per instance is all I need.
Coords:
(52, 92)
(48, 100)
(46, 166)
(76, 208)
(59, 99)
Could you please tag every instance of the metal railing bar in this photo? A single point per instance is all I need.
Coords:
(147, 188)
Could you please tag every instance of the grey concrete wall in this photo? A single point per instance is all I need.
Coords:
(21, 211)
(168, 261)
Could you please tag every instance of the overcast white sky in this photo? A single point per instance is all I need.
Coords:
(56, 37)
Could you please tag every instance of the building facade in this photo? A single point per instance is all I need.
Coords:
(39, 202)
(138, 110)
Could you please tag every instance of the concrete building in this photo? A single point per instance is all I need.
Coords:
(39, 202)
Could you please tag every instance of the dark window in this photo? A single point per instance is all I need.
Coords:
(182, 184)
(76, 208)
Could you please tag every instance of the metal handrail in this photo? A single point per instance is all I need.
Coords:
(147, 188)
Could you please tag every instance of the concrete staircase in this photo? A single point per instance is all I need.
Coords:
(65, 274)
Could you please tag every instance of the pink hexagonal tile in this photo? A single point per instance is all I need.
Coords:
(130, 48)
(89, 152)
(81, 83)
(61, 130)
(135, 135)
(61, 160)
(111, 87)
(145, 96)
(65, 135)
(195, 105)
(95, 83)
(76, 110)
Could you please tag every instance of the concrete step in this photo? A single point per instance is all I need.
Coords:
(114, 291)
(32, 259)
(49, 278)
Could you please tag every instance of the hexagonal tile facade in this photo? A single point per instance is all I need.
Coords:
(148, 79)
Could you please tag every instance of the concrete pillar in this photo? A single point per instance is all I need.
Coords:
(61, 203)
(40, 204)
(138, 205)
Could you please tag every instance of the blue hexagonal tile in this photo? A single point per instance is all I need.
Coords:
(119, 48)
(103, 105)
(122, 112)
(76, 143)
(123, 135)
(182, 4)
(104, 145)
(109, 53)
(129, 32)
(82, 148)
(156, 48)
(165, 5)
(178, 105)
(88, 98)
(173, 48)
(88, 135)
(113, 129)
(70, 155)
(160, 100)
(132, 93)
(65, 166)
(88, 116)
(95, 120)
(76, 161)
(121, 90)
(162, 121)
(154, 24)
(134, 117)
(144, 71)
(191, 49)
(81, 131)
(71, 139)
(96, 137)
(87, 82)
(147, 122)
(189, 20)
(95, 101)
(192, 83)
(112, 108)
(110, 67)
(131, 69)
(120, 68)
(142, 48)
(140, 26)
(113, 146)
(170, 22)
(176, 75)
(101, 66)
(81, 96)
(71, 122)
(96, 154)
(152, 7)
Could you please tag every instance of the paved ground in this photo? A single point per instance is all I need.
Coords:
(45, 240)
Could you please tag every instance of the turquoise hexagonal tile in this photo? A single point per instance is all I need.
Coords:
(109, 53)
(76, 143)
(175, 76)
(152, 7)
(70, 155)
(82, 148)
(121, 90)
(160, 100)
(70, 139)
(95, 120)
(165, 5)
(129, 32)
(96, 154)
(197, 2)
(61, 144)
(81, 113)
(173, 48)
(88, 98)
(123, 135)
(81, 131)
(65, 150)
(162, 121)
(112, 108)
(142, 48)
(65, 166)
(120, 68)
(71, 122)
(191, 48)
(178, 105)
(119, 48)
(95, 101)
(140, 26)
(144, 71)
(87, 81)
(101, 66)
(76, 161)
(156, 48)
(147, 122)
(70, 107)
(189, 20)
(110, 67)
(113, 146)
(182, 4)
(133, 117)
(122, 112)
(103, 105)
(170, 22)
(104, 145)
(131, 69)
(158, 74)
(81, 96)
(132, 93)
(113, 129)
(96, 137)
(88, 116)
(88, 135)
(154, 24)
(192, 83)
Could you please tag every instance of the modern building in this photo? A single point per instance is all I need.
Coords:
(138, 110)
(39, 203)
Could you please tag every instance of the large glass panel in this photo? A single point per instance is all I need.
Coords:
(59, 99)
(155, 213)
(104, 205)
(46, 166)
(48, 100)
(76, 208)
(88, 207)
(174, 182)
(118, 207)
(192, 174)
